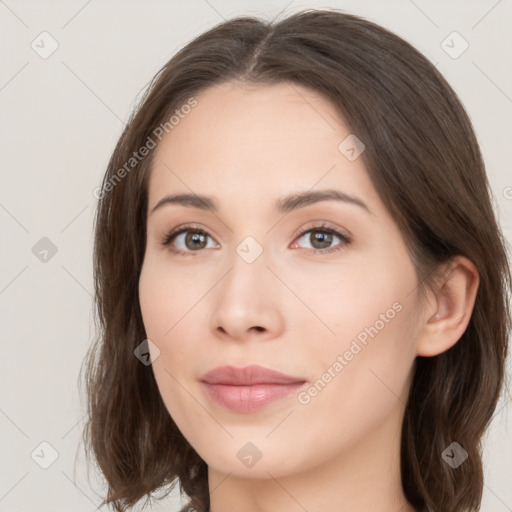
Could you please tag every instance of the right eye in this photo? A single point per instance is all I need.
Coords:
(189, 240)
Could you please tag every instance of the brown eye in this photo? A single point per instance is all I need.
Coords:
(321, 239)
(195, 240)
(187, 240)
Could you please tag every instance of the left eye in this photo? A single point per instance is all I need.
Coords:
(320, 239)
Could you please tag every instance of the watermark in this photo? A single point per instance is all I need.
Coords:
(304, 397)
(507, 192)
(249, 454)
(144, 150)
(454, 455)
(249, 249)
(44, 455)
(44, 45)
(351, 147)
(147, 352)
(44, 250)
(454, 45)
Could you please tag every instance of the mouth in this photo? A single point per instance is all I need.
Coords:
(248, 389)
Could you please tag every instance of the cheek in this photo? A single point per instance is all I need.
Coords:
(361, 378)
(375, 287)
(370, 312)
(359, 295)
(164, 298)
(164, 317)
(169, 306)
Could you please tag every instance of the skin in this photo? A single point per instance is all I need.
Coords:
(292, 309)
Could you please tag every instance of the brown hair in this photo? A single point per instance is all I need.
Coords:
(424, 162)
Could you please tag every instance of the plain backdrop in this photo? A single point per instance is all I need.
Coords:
(61, 115)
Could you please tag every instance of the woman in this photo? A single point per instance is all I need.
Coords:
(295, 229)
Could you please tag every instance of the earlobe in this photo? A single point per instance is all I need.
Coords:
(447, 318)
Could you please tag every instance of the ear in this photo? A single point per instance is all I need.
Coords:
(449, 310)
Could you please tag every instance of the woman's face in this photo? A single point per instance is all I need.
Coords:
(262, 280)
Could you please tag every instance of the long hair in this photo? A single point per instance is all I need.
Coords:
(424, 161)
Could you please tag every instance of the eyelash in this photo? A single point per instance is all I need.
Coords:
(324, 228)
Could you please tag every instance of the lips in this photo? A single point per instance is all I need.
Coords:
(247, 376)
(248, 389)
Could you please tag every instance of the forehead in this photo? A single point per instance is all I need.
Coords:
(254, 141)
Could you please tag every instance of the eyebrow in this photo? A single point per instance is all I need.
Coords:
(283, 205)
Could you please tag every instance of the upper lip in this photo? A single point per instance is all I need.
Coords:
(247, 376)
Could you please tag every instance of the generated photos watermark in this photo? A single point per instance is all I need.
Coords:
(342, 360)
(144, 150)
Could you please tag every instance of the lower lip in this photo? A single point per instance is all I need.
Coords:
(249, 398)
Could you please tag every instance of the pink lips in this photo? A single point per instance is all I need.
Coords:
(250, 388)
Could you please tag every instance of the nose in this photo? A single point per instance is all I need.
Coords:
(247, 302)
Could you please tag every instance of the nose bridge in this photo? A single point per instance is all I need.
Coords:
(246, 296)
(248, 270)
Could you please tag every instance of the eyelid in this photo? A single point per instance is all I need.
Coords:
(320, 225)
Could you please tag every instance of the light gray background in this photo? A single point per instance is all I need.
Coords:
(60, 118)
